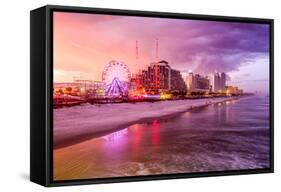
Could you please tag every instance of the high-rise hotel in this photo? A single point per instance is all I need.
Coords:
(205, 84)
(217, 81)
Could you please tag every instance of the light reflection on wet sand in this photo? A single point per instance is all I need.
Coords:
(231, 135)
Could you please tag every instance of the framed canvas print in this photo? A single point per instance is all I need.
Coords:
(123, 95)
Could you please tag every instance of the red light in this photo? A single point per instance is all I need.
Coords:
(155, 132)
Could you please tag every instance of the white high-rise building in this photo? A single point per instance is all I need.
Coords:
(217, 81)
(223, 80)
(197, 84)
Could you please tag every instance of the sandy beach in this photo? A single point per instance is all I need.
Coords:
(79, 123)
(232, 135)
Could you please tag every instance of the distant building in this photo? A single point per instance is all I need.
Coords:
(217, 81)
(177, 83)
(222, 80)
(197, 83)
(232, 90)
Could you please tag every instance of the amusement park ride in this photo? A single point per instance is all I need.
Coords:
(116, 88)
(117, 85)
(116, 77)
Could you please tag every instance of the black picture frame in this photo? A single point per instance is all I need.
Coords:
(41, 83)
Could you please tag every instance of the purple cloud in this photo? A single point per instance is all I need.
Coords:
(197, 45)
(220, 45)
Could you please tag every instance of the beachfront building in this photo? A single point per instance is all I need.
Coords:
(71, 88)
(197, 84)
(217, 82)
(232, 90)
(80, 88)
(178, 86)
(159, 77)
(222, 80)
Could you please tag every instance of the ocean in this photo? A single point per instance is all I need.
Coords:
(232, 135)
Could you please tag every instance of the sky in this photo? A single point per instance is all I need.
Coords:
(85, 43)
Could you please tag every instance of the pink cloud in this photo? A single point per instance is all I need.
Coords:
(87, 42)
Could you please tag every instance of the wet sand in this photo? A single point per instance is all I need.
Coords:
(231, 135)
(80, 123)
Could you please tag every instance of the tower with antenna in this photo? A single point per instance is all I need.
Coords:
(138, 73)
(156, 78)
(156, 50)
(137, 52)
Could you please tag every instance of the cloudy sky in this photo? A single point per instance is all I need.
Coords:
(85, 43)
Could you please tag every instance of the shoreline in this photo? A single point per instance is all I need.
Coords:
(96, 121)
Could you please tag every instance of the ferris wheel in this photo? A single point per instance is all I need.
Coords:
(116, 70)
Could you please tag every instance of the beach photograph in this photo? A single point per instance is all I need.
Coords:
(139, 96)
